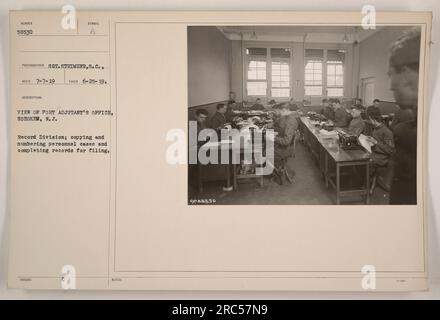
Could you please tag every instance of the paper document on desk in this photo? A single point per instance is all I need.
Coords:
(328, 133)
(364, 141)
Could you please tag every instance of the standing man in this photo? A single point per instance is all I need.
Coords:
(342, 118)
(402, 115)
(285, 127)
(404, 77)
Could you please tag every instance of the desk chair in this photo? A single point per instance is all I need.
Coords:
(383, 177)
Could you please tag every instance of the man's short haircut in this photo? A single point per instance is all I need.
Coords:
(376, 100)
(374, 113)
(335, 100)
(405, 51)
(201, 111)
(220, 106)
(324, 100)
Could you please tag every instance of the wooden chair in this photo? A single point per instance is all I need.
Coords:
(383, 177)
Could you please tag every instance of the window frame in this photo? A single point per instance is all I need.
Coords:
(336, 86)
(321, 84)
(325, 63)
(269, 60)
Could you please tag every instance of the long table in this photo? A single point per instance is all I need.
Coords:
(231, 175)
(326, 151)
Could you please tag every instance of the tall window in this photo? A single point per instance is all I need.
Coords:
(268, 72)
(256, 72)
(313, 72)
(335, 73)
(324, 72)
(280, 84)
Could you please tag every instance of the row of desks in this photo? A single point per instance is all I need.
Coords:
(231, 174)
(331, 158)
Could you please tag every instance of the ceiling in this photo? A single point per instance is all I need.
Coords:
(324, 34)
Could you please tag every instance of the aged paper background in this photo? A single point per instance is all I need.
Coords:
(277, 247)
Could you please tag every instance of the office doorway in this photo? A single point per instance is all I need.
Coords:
(367, 90)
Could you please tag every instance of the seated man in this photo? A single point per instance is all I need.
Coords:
(257, 105)
(200, 116)
(357, 125)
(232, 96)
(193, 173)
(382, 140)
(357, 102)
(286, 127)
(342, 118)
(327, 110)
(218, 120)
(376, 103)
(230, 111)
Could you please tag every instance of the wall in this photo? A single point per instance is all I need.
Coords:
(373, 60)
(209, 65)
(237, 70)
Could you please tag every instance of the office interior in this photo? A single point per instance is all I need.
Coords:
(301, 66)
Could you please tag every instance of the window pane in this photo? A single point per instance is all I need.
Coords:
(313, 90)
(331, 81)
(280, 93)
(336, 55)
(331, 69)
(256, 88)
(280, 52)
(261, 52)
(339, 80)
(314, 53)
(261, 74)
(309, 77)
(257, 70)
(280, 75)
(313, 73)
(335, 92)
(338, 69)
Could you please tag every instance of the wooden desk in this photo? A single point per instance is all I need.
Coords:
(231, 175)
(326, 150)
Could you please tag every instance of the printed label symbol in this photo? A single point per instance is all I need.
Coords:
(369, 278)
(68, 277)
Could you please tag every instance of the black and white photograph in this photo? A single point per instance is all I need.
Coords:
(303, 115)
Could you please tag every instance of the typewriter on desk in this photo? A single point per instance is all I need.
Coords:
(348, 141)
(314, 116)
